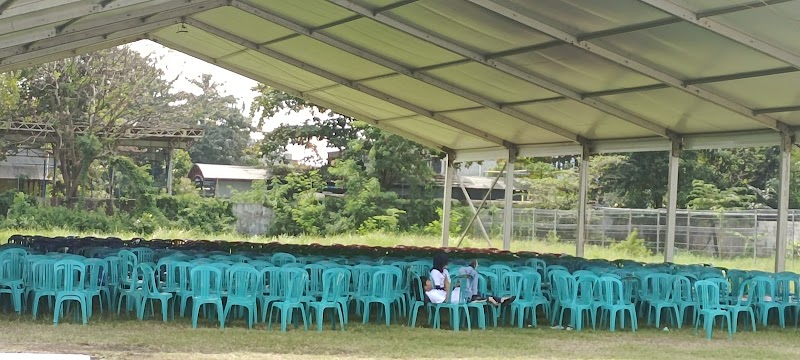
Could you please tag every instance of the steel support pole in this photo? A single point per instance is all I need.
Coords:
(783, 201)
(583, 197)
(447, 200)
(508, 207)
(475, 214)
(672, 198)
(169, 171)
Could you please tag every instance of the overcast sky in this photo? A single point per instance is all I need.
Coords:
(175, 63)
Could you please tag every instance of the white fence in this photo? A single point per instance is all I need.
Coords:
(724, 234)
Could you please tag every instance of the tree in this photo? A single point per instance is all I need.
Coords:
(227, 131)
(92, 101)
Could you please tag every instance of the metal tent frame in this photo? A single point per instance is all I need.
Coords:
(482, 79)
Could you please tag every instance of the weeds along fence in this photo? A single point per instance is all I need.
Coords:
(722, 234)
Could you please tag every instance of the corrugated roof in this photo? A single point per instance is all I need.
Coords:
(230, 172)
(477, 77)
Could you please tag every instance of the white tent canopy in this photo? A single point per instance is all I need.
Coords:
(481, 79)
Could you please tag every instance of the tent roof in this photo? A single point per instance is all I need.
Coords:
(476, 77)
(230, 172)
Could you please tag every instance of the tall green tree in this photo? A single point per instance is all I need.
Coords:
(92, 101)
(227, 130)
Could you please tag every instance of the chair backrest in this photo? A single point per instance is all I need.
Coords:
(315, 272)
(127, 265)
(763, 289)
(294, 282)
(206, 281)
(512, 284)
(269, 281)
(420, 267)
(70, 275)
(461, 282)
(43, 276)
(564, 286)
(586, 290)
(280, 259)
(417, 286)
(113, 270)
(531, 286)
(96, 273)
(335, 284)
(660, 286)
(500, 270)
(143, 254)
(786, 284)
(242, 281)
(708, 295)
(682, 289)
(147, 274)
(383, 284)
(611, 291)
(538, 264)
(12, 263)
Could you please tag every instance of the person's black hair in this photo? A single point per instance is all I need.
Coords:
(440, 260)
(473, 263)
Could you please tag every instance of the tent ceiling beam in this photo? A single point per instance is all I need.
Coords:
(630, 64)
(725, 31)
(348, 83)
(526, 76)
(302, 95)
(402, 70)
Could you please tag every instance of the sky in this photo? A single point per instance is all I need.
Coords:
(177, 64)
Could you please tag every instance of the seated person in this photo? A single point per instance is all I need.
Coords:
(471, 272)
(438, 284)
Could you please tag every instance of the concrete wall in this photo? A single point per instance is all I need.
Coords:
(252, 219)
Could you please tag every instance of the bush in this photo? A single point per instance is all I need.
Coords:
(632, 245)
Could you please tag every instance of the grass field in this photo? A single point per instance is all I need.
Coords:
(110, 338)
(151, 339)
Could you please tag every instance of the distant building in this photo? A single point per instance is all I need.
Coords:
(27, 171)
(222, 180)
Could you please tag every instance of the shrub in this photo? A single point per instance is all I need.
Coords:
(632, 245)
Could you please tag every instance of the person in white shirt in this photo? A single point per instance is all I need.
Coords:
(439, 282)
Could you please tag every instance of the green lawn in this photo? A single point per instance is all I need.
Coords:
(150, 339)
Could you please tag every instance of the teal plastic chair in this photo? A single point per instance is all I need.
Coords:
(127, 266)
(615, 303)
(12, 268)
(456, 308)
(683, 296)
(710, 308)
(43, 283)
(177, 283)
(206, 286)
(243, 287)
(334, 284)
(576, 297)
(787, 292)
(381, 291)
(112, 280)
(314, 280)
(294, 284)
(661, 298)
(270, 289)
(70, 280)
(417, 299)
(742, 305)
(764, 298)
(530, 299)
(552, 292)
(150, 292)
(96, 278)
